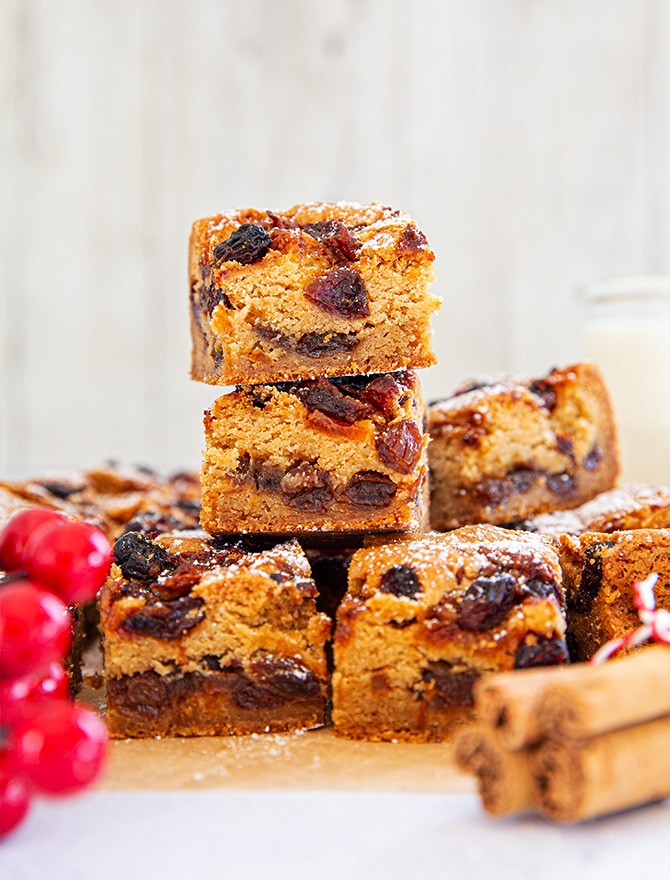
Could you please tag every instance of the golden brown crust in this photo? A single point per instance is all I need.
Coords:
(258, 321)
(515, 447)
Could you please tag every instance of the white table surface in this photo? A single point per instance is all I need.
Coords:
(323, 834)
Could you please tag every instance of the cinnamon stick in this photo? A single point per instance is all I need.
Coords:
(507, 701)
(577, 780)
(503, 777)
(589, 700)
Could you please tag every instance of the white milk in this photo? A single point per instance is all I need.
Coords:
(627, 333)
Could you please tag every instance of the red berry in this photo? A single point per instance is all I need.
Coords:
(19, 528)
(19, 696)
(71, 558)
(35, 629)
(14, 803)
(62, 749)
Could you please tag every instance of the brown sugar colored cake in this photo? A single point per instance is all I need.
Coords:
(630, 506)
(342, 455)
(599, 572)
(203, 637)
(425, 616)
(318, 290)
(507, 448)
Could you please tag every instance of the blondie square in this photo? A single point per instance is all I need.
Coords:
(599, 571)
(424, 617)
(340, 455)
(205, 637)
(318, 290)
(630, 506)
(506, 448)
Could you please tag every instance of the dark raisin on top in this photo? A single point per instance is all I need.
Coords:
(336, 237)
(247, 244)
(545, 388)
(401, 580)
(411, 241)
(486, 602)
(325, 396)
(340, 292)
(140, 559)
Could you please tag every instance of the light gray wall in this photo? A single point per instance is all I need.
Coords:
(528, 138)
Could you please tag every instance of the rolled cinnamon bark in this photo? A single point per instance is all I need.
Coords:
(507, 702)
(503, 777)
(588, 700)
(577, 780)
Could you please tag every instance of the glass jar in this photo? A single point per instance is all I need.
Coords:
(627, 333)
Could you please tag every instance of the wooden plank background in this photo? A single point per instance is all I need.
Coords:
(528, 138)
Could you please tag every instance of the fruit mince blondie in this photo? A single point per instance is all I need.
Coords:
(630, 506)
(424, 617)
(344, 454)
(318, 290)
(205, 637)
(599, 571)
(506, 448)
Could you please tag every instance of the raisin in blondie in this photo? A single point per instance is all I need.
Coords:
(425, 616)
(206, 637)
(599, 572)
(342, 455)
(318, 290)
(505, 448)
(630, 506)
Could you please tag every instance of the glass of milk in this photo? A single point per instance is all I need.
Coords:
(627, 333)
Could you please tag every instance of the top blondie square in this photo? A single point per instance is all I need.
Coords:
(321, 289)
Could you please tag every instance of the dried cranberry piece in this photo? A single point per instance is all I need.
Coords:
(546, 652)
(140, 559)
(318, 345)
(336, 237)
(563, 485)
(341, 292)
(247, 244)
(486, 602)
(327, 398)
(399, 446)
(370, 489)
(382, 393)
(593, 458)
(168, 619)
(307, 487)
(401, 580)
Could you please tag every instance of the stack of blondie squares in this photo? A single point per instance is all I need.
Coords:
(315, 587)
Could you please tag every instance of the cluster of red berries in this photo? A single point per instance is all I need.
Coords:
(48, 744)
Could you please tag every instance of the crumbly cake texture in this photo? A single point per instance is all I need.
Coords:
(343, 455)
(203, 637)
(318, 290)
(425, 616)
(630, 506)
(599, 571)
(507, 448)
(113, 497)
